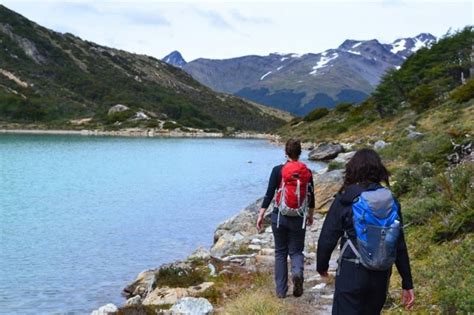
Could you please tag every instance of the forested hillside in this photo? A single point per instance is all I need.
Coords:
(51, 78)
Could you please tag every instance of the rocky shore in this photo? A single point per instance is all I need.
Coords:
(209, 279)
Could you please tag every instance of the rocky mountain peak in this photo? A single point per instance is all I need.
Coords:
(175, 59)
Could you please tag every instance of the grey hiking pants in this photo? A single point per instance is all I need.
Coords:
(289, 240)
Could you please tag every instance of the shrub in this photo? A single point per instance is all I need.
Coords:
(344, 107)
(169, 125)
(422, 97)
(176, 277)
(316, 114)
(464, 93)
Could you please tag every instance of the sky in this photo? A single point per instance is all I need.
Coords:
(223, 29)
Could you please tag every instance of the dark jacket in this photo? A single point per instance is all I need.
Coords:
(274, 183)
(339, 219)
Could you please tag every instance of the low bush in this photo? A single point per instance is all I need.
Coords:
(316, 114)
(463, 93)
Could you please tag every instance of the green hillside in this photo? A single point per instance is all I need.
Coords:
(426, 114)
(51, 78)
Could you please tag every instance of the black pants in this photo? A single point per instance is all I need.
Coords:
(360, 291)
(289, 240)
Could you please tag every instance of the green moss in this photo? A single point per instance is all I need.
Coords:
(144, 309)
(335, 166)
(176, 277)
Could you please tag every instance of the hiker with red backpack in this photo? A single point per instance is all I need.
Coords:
(293, 211)
(367, 219)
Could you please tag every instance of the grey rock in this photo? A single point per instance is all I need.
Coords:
(412, 135)
(140, 116)
(117, 108)
(200, 253)
(142, 285)
(380, 144)
(344, 157)
(105, 310)
(325, 187)
(192, 306)
(325, 152)
(136, 300)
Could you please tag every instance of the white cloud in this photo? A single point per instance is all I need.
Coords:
(222, 29)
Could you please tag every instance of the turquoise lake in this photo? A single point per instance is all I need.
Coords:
(80, 217)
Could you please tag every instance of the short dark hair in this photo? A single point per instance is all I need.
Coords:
(365, 167)
(293, 148)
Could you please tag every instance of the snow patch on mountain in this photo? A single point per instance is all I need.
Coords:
(323, 62)
(263, 76)
(354, 52)
(398, 46)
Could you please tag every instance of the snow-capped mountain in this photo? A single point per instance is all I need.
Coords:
(300, 83)
(175, 59)
(404, 47)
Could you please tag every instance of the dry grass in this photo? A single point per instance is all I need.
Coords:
(260, 301)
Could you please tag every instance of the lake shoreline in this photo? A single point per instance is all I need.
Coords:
(143, 133)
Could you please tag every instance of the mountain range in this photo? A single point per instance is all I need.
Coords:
(300, 83)
(56, 78)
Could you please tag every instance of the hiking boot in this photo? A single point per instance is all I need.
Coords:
(297, 286)
(281, 296)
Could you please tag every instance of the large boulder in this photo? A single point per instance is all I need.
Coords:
(325, 152)
(167, 295)
(117, 108)
(344, 157)
(325, 187)
(240, 229)
(192, 306)
(142, 285)
(105, 310)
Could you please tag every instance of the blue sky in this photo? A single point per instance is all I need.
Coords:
(223, 29)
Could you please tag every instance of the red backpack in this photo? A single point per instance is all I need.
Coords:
(293, 193)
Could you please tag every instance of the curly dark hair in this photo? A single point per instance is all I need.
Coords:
(293, 148)
(364, 168)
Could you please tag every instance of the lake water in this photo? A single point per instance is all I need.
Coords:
(81, 216)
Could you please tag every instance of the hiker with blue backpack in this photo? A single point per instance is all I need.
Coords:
(293, 211)
(367, 219)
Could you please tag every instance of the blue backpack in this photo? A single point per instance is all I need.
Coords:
(377, 228)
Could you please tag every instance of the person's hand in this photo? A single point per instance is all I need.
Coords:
(260, 222)
(323, 274)
(309, 220)
(408, 299)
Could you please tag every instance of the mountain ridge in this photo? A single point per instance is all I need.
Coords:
(298, 83)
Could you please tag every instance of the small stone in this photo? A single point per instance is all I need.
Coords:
(380, 144)
(319, 286)
(268, 229)
(256, 241)
(254, 247)
(327, 296)
(412, 135)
